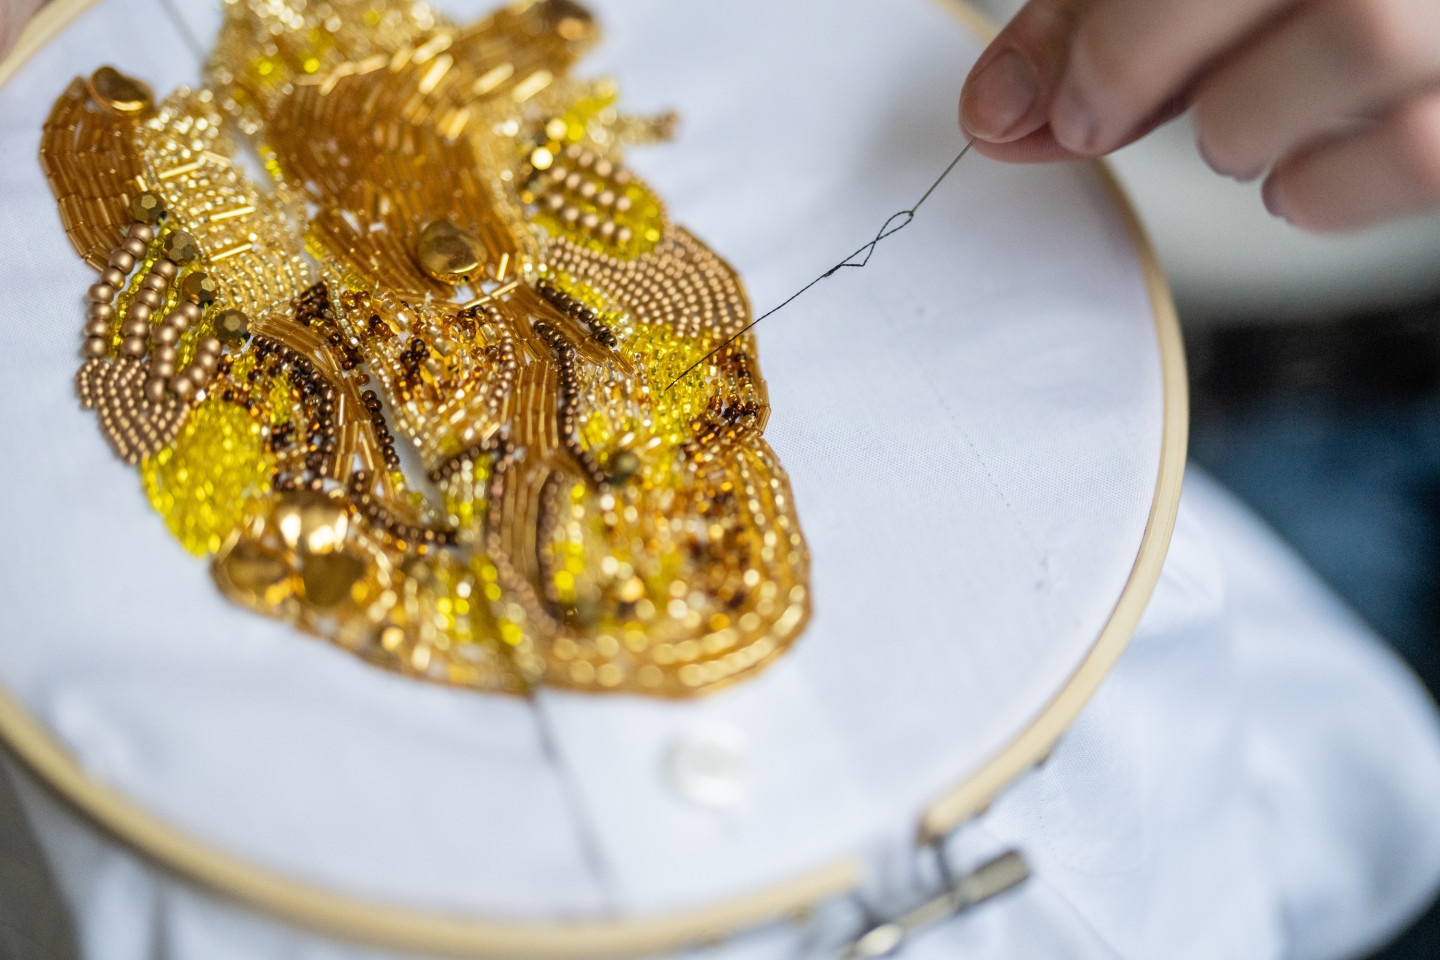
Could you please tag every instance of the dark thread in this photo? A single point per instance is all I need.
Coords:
(888, 229)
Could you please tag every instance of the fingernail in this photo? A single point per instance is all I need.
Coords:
(998, 97)
(1072, 121)
(1270, 193)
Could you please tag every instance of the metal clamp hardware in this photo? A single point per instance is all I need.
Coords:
(985, 882)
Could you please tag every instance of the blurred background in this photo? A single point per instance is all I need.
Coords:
(1315, 391)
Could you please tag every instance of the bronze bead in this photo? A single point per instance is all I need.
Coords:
(100, 293)
(165, 269)
(122, 261)
(133, 347)
(155, 388)
(139, 311)
(147, 208)
(135, 328)
(199, 288)
(164, 335)
(97, 328)
(154, 281)
(100, 311)
(178, 320)
(162, 369)
(164, 354)
(180, 247)
(151, 298)
(209, 345)
(192, 311)
(182, 387)
(141, 231)
(95, 347)
(232, 326)
(112, 278)
(136, 247)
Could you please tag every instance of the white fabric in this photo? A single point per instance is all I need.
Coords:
(972, 428)
(971, 424)
(1256, 781)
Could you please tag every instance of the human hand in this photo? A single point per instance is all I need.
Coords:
(1338, 101)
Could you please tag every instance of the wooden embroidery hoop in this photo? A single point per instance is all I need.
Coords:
(382, 925)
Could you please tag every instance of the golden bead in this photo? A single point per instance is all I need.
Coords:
(232, 327)
(448, 253)
(120, 93)
(179, 247)
(199, 288)
(310, 522)
(147, 207)
(251, 575)
(329, 577)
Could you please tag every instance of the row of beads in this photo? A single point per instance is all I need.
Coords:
(576, 310)
(403, 535)
(570, 404)
(138, 335)
(100, 309)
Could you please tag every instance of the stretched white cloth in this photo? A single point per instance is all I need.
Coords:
(1256, 780)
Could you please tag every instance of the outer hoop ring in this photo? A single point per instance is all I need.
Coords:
(353, 919)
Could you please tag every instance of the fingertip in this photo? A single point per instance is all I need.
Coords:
(999, 100)
(1036, 147)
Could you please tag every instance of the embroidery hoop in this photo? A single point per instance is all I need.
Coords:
(352, 919)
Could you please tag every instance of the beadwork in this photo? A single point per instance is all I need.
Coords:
(410, 395)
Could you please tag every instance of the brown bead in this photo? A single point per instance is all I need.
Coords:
(112, 278)
(164, 335)
(199, 288)
(155, 388)
(139, 311)
(165, 269)
(136, 247)
(97, 328)
(151, 298)
(232, 326)
(148, 207)
(122, 261)
(133, 347)
(95, 347)
(120, 93)
(100, 293)
(180, 247)
(141, 231)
